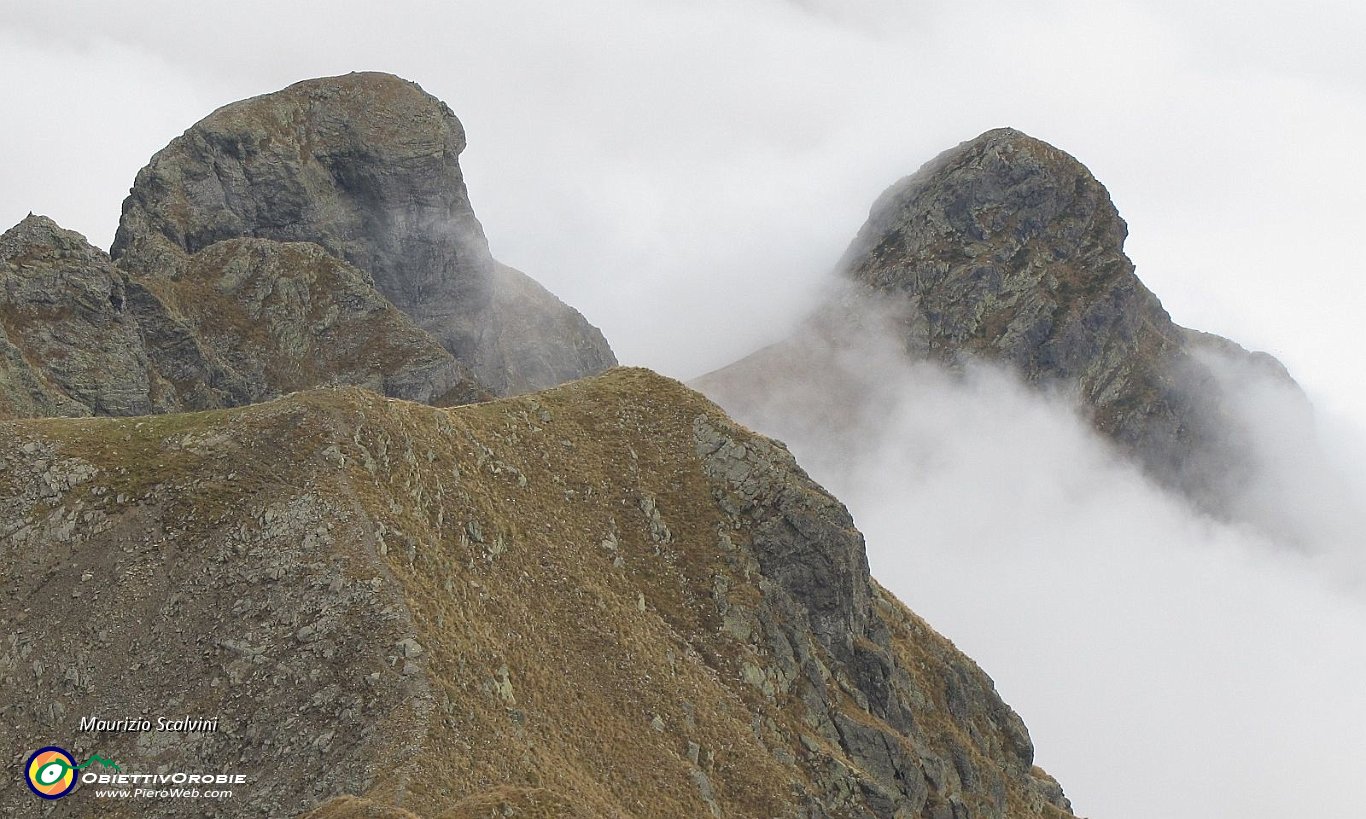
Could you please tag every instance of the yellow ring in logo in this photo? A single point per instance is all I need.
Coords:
(51, 772)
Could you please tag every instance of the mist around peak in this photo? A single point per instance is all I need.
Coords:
(1170, 664)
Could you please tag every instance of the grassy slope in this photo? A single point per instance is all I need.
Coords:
(573, 661)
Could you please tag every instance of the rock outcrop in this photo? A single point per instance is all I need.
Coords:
(319, 235)
(243, 321)
(605, 599)
(1008, 249)
(275, 317)
(69, 344)
(366, 166)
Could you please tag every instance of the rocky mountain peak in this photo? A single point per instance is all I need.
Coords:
(1006, 244)
(1008, 249)
(318, 235)
(245, 320)
(1004, 189)
(65, 326)
(366, 166)
(40, 235)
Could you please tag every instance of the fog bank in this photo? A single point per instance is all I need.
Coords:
(1167, 664)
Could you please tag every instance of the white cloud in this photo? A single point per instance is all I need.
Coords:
(1167, 664)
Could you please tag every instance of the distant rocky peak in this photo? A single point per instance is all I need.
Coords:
(1008, 249)
(365, 165)
(1001, 200)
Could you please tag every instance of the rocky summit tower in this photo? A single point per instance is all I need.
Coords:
(1006, 249)
(367, 167)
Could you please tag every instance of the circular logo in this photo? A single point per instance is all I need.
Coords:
(51, 772)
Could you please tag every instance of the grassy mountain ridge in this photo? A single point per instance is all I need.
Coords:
(603, 599)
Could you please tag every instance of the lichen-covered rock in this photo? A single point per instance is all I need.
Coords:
(605, 599)
(69, 344)
(1008, 249)
(242, 321)
(804, 540)
(275, 317)
(916, 729)
(366, 166)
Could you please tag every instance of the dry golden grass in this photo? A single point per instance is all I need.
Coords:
(574, 660)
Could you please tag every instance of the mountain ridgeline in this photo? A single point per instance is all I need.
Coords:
(603, 599)
(301, 456)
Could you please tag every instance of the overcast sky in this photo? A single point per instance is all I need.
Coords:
(687, 172)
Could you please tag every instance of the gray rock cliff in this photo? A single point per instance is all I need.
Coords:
(366, 166)
(66, 327)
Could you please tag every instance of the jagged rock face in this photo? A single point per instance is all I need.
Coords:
(1008, 249)
(1008, 246)
(605, 599)
(366, 166)
(244, 321)
(275, 317)
(66, 328)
